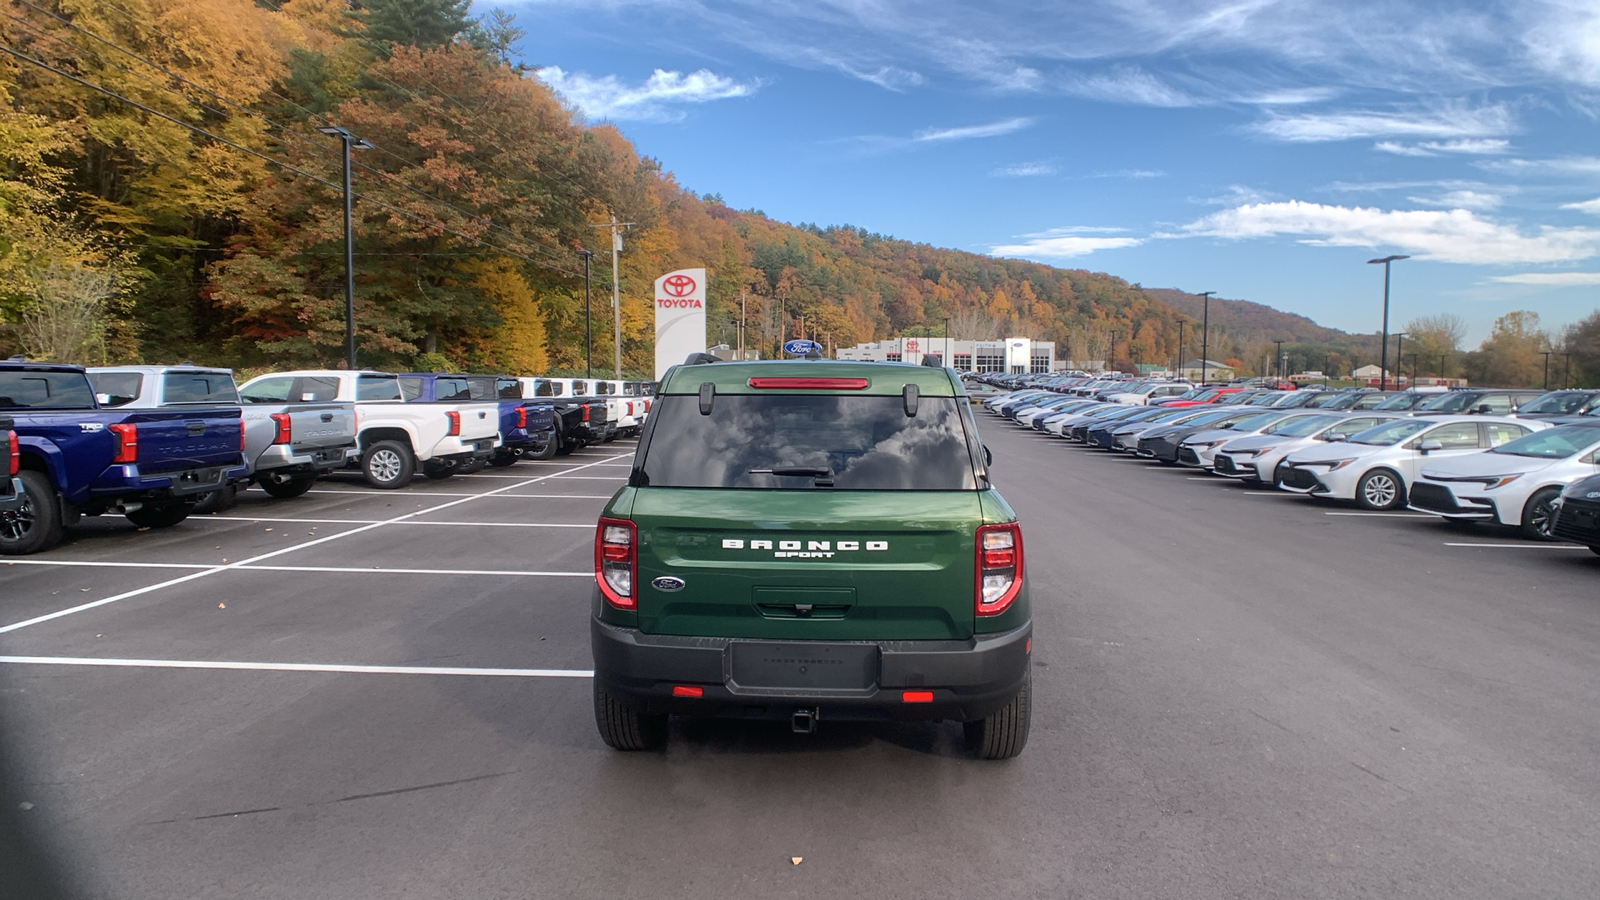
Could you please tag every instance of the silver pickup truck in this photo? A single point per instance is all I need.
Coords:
(288, 440)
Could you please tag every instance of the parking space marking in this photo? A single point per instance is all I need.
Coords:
(1382, 515)
(96, 564)
(345, 570)
(253, 519)
(137, 592)
(291, 667)
(1527, 546)
(589, 477)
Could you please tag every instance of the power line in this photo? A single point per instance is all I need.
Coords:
(10, 51)
(317, 144)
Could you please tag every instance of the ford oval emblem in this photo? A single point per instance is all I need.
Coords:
(667, 583)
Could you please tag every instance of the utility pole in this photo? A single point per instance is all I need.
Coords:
(1179, 366)
(741, 326)
(1383, 365)
(616, 292)
(948, 360)
(1567, 371)
(1112, 353)
(1205, 335)
(588, 319)
(1277, 357)
(1400, 356)
(349, 142)
(1547, 370)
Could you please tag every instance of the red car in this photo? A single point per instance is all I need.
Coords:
(1209, 395)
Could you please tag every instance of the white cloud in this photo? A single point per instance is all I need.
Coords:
(1565, 40)
(1066, 243)
(1472, 146)
(1400, 149)
(1480, 200)
(1455, 235)
(1025, 170)
(1551, 279)
(1130, 84)
(1562, 165)
(967, 132)
(607, 97)
(1131, 173)
(1588, 206)
(1447, 122)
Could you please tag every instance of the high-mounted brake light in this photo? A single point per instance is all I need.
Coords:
(127, 435)
(285, 432)
(810, 384)
(15, 452)
(616, 559)
(455, 423)
(999, 567)
(522, 417)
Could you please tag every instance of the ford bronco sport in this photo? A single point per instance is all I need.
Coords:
(808, 540)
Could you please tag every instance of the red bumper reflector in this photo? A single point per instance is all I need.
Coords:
(687, 690)
(916, 696)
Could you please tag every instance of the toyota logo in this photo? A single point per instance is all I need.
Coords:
(678, 285)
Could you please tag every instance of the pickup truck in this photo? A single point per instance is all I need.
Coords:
(581, 419)
(393, 438)
(527, 425)
(286, 445)
(77, 459)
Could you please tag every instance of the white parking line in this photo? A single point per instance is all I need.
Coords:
(338, 570)
(1382, 515)
(1528, 546)
(255, 559)
(290, 667)
(253, 519)
(492, 496)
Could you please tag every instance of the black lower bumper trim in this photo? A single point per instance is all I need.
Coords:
(967, 679)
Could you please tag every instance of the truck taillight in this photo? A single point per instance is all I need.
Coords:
(127, 435)
(999, 567)
(455, 423)
(285, 432)
(586, 412)
(15, 452)
(522, 417)
(241, 435)
(616, 559)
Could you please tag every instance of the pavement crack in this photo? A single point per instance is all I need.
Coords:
(1381, 778)
(1267, 720)
(420, 787)
(222, 815)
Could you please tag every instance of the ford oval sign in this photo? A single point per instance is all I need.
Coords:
(801, 347)
(667, 583)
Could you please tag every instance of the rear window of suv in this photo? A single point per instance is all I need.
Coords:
(856, 442)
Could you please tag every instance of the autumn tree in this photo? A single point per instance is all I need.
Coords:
(1513, 353)
(1436, 341)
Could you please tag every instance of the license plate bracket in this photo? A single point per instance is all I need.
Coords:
(803, 665)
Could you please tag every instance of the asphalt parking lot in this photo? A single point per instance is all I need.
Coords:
(383, 694)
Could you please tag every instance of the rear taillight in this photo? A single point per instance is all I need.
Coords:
(455, 423)
(616, 557)
(241, 435)
(285, 432)
(586, 412)
(522, 417)
(15, 452)
(999, 567)
(127, 436)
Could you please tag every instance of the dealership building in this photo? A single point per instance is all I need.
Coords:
(1014, 355)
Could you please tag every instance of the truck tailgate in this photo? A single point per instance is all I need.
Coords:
(314, 426)
(175, 441)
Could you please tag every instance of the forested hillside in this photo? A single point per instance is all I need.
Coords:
(166, 194)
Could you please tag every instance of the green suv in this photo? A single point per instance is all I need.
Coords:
(811, 540)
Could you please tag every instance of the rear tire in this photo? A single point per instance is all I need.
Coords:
(503, 460)
(1538, 517)
(476, 464)
(217, 501)
(388, 465)
(1380, 490)
(1003, 733)
(160, 515)
(37, 525)
(288, 490)
(438, 471)
(549, 447)
(624, 727)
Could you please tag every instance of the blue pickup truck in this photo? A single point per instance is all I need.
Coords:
(527, 427)
(10, 495)
(77, 459)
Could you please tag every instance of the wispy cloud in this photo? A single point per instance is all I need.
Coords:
(1470, 146)
(968, 132)
(1588, 206)
(1561, 165)
(1478, 200)
(1025, 170)
(1131, 85)
(1550, 279)
(1066, 243)
(653, 100)
(1448, 122)
(1455, 235)
(1131, 173)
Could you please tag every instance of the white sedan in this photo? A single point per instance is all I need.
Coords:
(1255, 457)
(1376, 467)
(1514, 483)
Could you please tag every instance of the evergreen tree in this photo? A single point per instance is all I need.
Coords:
(415, 23)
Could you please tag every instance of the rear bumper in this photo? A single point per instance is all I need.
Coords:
(126, 481)
(968, 679)
(282, 459)
(463, 449)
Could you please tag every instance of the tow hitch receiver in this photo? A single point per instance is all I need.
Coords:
(804, 721)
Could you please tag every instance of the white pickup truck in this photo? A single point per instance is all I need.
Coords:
(394, 438)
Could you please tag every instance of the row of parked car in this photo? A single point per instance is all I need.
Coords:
(1535, 467)
(159, 443)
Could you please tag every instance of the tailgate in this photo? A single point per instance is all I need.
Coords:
(178, 441)
(541, 417)
(315, 426)
(808, 564)
(479, 420)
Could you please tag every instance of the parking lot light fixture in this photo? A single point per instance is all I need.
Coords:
(1383, 365)
(1205, 334)
(348, 142)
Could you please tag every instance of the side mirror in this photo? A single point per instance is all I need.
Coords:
(1338, 437)
(988, 457)
(1430, 446)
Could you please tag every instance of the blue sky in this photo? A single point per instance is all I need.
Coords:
(1263, 149)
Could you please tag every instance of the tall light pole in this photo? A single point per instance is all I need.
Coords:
(348, 142)
(1383, 365)
(1547, 369)
(1567, 371)
(1113, 352)
(1400, 356)
(1205, 335)
(1277, 357)
(588, 319)
(1180, 346)
(948, 359)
